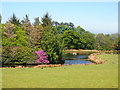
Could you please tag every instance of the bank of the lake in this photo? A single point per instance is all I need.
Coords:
(74, 76)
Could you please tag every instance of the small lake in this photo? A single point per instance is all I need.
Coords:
(76, 59)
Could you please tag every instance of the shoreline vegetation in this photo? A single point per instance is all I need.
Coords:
(92, 57)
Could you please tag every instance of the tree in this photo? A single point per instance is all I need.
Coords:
(14, 20)
(115, 39)
(46, 20)
(52, 44)
(35, 35)
(37, 21)
(71, 24)
(103, 42)
(89, 40)
(62, 28)
(0, 18)
(67, 24)
(15, 45)
(16, 55)
(79, 29)
(33, 31)
(100, 41)
(14, 36)
(26, 22)
(55, 23)
(117, 44)
(61, 23)
(73, 40)
(9, 29)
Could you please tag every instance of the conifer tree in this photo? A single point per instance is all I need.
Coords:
(46, 20)
(14, 20)
(37, 21)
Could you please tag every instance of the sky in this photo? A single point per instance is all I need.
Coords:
(96, 17)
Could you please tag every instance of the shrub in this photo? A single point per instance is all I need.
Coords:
(16, 55)
(42, 57)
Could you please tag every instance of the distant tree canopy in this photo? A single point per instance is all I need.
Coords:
(75, 37)
(51, 36)
(74, 40)
(106, 42)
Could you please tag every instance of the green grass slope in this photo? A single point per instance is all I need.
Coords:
(76, 76)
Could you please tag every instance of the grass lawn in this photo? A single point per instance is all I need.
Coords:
(76, 76)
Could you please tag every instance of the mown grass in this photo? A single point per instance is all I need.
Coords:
(76, 76)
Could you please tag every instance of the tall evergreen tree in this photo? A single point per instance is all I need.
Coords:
(14, 20)
(37, 21)
(26, 20)
(26, 24)
(46, 20)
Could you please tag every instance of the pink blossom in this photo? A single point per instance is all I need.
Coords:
(42, 57)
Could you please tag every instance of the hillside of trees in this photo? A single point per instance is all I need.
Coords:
(21, 38)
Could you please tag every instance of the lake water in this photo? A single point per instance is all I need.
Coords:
(76, 59)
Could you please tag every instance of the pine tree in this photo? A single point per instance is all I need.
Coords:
(26, 21)
(46, 20)
(37, 21)
(14, 20)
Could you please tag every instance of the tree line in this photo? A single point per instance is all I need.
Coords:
(21, 38)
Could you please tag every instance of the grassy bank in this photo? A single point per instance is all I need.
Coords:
(93, 51)
(77, 76)
(80, 52)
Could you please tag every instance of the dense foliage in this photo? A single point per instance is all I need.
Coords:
(107, 42)
(21, 39)
(13, 35)
(52, 44)
(16, 55)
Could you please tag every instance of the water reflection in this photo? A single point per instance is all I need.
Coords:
(76, 59)
(77, 62)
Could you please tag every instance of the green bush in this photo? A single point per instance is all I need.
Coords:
(16, 55)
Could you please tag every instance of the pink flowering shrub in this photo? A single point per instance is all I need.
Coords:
(42, 57)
